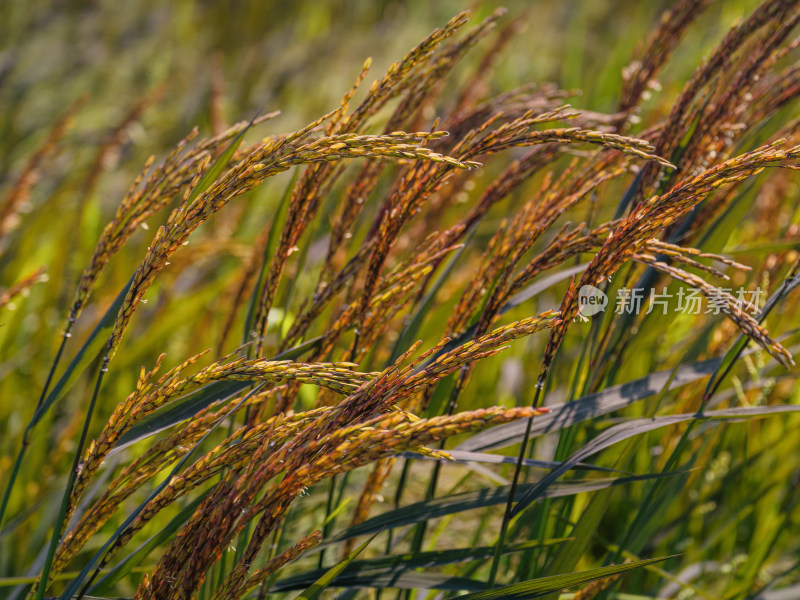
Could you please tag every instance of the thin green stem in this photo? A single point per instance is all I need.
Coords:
(328, 509)
(498, 550)
(73, 475)
(26, 435)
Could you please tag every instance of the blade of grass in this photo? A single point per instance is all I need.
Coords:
(623, 431)
(447, 505)
(269, 251)
(88, 352)
(461, 456)
(789, 284)
(379, 571)
(313, 592)
(60, 523)
(591, 406)
(546, 585)
(135, 558)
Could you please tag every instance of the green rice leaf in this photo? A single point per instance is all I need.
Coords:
(313, 592)
(399, 571)
(455, 503)
(630, 428)
(546, 585)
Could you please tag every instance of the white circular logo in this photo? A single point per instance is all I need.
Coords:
(591, 301)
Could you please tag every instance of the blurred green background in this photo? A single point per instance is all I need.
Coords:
(298, 57)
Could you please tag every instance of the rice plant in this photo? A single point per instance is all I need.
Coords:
(452, 339)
